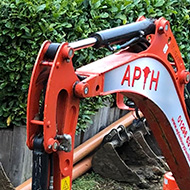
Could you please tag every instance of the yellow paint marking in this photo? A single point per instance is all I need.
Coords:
(65, 183)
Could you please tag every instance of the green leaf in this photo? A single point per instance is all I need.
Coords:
(104, 15)
(4, 105)
(3, 85)
(25, 28)
(5, 31)
(97, 4)
(12, 76)
(24, 87)
(41, 7)
(66, 25)
(3, 54)
(8, 24)
(121, 16)
(1, 112)
(159, 3)
(114, 9)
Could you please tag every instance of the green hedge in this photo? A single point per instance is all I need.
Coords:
(24, 25)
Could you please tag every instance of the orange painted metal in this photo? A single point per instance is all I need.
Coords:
(169, 182)
(86, 148)
(64, 91)
(60, 109)
(162, 46)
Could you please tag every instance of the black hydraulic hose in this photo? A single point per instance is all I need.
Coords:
(51, 172)
(40, 165)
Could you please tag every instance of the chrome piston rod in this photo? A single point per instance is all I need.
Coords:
(81, 44)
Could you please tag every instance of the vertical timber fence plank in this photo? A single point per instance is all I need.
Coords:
(17, 158)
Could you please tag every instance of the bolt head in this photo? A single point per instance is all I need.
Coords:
(57, 65)
(142, 33)
(86, 90)
(161, 28)
(188, 77)
(166, 27)
(70, 53)
(68, 60)
(55, 145)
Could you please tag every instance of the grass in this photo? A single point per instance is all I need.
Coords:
(92, 181)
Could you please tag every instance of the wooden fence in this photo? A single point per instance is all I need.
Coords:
(17, 158)
(14, 155)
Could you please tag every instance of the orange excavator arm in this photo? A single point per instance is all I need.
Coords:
(148, 69)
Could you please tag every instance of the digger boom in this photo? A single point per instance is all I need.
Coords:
(142, 71)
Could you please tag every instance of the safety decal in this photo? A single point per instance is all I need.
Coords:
(65, 183)
(182, 132)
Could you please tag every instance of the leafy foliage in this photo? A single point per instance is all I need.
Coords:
(24, 25)
(89, 107)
